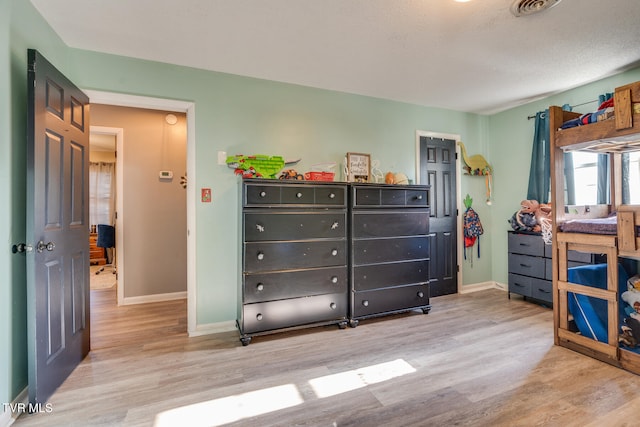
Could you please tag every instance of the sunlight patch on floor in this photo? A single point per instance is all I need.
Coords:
(230, 409)
(330, 385)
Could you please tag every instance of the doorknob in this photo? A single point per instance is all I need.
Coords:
(42, 246)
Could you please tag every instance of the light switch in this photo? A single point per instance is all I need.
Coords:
(222, 157)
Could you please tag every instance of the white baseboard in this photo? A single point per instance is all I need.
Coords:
(214, 328)
(475, 287)
(143, 299)
(7, 417)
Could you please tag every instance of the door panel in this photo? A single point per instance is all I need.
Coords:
(438, 169)
(57, 227)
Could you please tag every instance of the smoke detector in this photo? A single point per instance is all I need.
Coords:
(530, 7)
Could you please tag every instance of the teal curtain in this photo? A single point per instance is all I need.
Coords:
(540, 171)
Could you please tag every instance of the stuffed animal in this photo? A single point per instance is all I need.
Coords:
(531, 216)
(630, 335)
(632, 295)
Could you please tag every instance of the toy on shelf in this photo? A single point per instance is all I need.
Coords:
(478, 165)
(396, 178)
(291, 174)
(256, 166)
(321, 172)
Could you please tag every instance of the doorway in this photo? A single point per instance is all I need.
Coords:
(437, 164)
(188, 109)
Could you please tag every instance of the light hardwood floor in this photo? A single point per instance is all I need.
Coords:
(477, 359)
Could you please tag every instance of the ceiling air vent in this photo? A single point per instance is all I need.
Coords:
(529, 7)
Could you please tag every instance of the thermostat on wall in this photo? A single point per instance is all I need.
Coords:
(166, 174)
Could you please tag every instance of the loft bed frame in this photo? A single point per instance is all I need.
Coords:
(615, 136)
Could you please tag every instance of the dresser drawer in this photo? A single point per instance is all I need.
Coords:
(371, 251)
(293, 284)
(266, 316)
(520, 284)
(391, 196)
(389, 300)
(527, 265)
(256, 194)
(526, 244)
(367, 277)
(297, 195)
(542, 290)
(334, 196)
(390, 224)
(270, 256)
(278, 195)
(273, 226)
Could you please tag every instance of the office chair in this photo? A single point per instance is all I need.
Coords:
(107, 240)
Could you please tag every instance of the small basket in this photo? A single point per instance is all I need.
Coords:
(321, 173)
(319, 176)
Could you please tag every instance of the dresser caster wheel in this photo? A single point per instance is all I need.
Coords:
(245, 341)
(426, 310)
(342, 325)
(353, 323)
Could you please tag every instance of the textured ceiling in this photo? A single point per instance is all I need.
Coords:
(473, 57)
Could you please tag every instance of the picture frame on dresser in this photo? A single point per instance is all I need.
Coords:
(358, 167)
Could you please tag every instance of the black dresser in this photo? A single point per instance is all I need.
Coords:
(530, 265)
(390, 251)
(294, 256)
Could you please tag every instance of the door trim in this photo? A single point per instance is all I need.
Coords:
(120, 264)
(456, 138)
(124, 100)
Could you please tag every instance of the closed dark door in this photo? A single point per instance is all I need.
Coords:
(57, 227)
(438, 169)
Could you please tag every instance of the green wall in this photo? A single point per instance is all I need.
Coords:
(251, 116)
(245, 116)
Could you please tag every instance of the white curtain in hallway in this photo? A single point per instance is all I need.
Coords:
(102, 197)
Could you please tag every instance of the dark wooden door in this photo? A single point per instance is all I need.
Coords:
(57, 227)
(438, 169)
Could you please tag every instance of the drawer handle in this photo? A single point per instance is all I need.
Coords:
(334, 279)
(420, 294)
(418, 197)
(544, 291)
(332, 306)
(260, 256)
(335, 225)
(260, 287)
(259, 316)
(525, 265)
(263, 194)
(299, 195)
(365, 303)
(334, 252)
(518, 285)
(260, 228)
(332, 196)
(524, 244)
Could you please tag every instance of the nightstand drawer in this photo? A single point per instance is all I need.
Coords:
(527, 265)
(542, 290)
(520, 284)
(526, 244)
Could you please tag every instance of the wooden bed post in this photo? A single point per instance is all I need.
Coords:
(557, 205)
